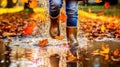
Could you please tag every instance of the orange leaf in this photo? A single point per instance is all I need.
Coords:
(33, 4)
(63, 17)
(65, 44)
(29, 29)
(98, 1)
(116, 52)
(43, 43)
(59, 37)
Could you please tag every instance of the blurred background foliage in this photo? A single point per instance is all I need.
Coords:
(93, 6)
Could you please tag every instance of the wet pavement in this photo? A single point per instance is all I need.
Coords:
(98, 59)
(95, 53)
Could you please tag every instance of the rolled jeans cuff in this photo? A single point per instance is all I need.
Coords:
(71, 21)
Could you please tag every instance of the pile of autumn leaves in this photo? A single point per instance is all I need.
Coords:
(90, 25)
(96, 28)
(21, 23)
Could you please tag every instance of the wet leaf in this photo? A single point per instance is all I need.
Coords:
(63, 17)
(59, 37)
(65, 44)
(6, 34)
(43, 43)
(96, 51)
(29, 29)
(116, 52)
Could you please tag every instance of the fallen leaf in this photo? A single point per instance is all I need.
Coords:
(107, 4)
(59, 37)
(116, 52)
(63, 17)
(103, 28)
(96, 51)
(29, 29)
(43, 43)
(6, 34)
(65, 44)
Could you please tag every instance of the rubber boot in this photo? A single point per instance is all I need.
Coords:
(72, 36)
(54, 27)
(73, 43)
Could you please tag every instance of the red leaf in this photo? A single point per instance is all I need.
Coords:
(107, 4)
(29, 29)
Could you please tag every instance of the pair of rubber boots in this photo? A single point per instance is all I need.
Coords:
(71, 33)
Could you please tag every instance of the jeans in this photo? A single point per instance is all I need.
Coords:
(71, 10)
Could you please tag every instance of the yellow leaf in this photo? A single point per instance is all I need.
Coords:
(103, 28)
(14, 1)
(3, 3)
(96, 51)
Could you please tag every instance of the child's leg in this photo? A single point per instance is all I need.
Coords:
(54, 7)
(54, 11)
(72, 12)
(72, 19)
(71, 30)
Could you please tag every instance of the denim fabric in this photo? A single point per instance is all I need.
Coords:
(71, 10)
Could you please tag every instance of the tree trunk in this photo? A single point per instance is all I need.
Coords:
(11, 4)
(26, 6)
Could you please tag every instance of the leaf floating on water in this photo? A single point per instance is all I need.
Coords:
(65, 44)
(59, 37)
(43, 43)
(116, 52)
(95, 52)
